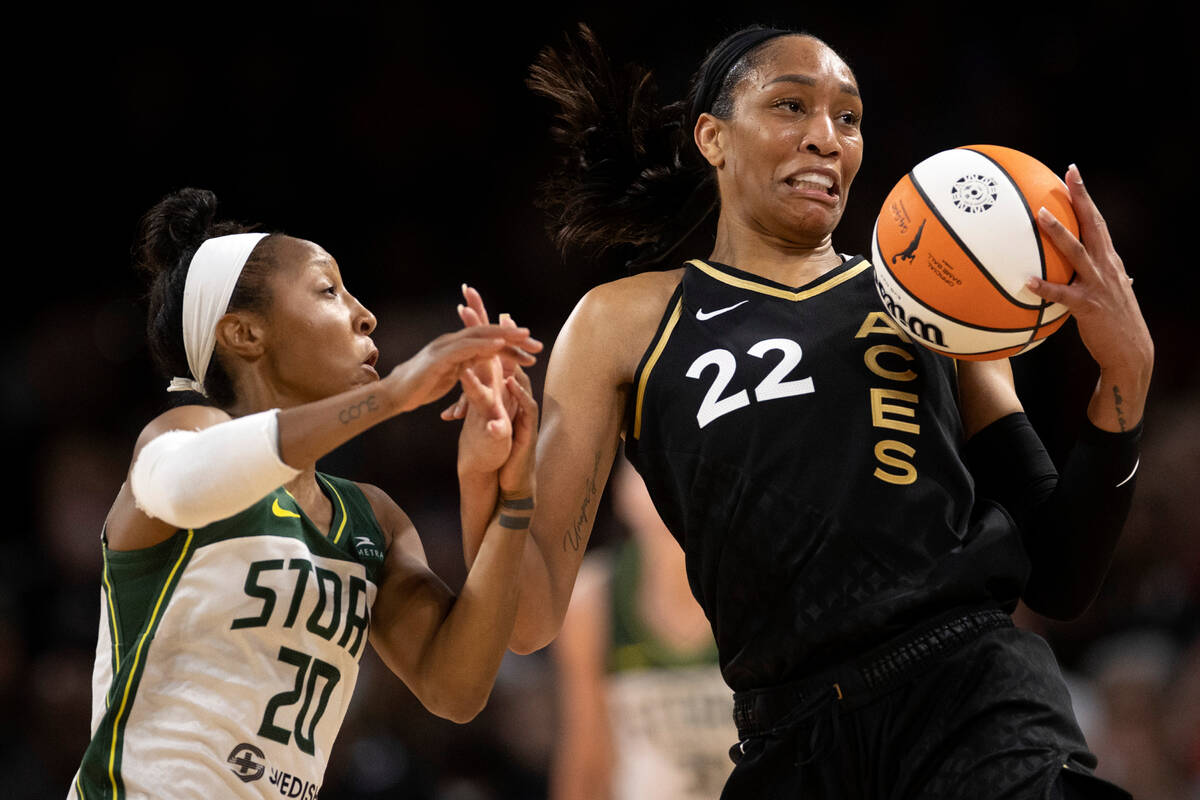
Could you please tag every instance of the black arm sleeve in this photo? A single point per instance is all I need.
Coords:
(1069, 523)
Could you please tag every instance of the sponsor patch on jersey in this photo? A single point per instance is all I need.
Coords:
(247, 762)
(366, 550)
(290, 786)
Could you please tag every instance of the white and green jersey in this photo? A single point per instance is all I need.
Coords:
(227, 655)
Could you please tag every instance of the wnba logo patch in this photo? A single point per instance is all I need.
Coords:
(973, 194)
(245, 762)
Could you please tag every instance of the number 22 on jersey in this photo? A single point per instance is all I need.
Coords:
(777, 384)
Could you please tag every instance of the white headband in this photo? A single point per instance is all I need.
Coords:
(212, 275)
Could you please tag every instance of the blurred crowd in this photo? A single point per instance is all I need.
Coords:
(323, 109)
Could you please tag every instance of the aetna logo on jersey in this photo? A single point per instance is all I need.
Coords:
(292, 787)
(246, 761)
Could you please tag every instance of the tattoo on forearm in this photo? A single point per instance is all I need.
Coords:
(1120, 411)
(356, 410)
(578, 530)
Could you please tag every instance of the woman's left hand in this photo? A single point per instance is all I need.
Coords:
(1101, 299)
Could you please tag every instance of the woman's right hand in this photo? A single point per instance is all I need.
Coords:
(437, 367)
(485, 441)
(518, 474)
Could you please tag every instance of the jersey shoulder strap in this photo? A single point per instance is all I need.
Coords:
(362, 536)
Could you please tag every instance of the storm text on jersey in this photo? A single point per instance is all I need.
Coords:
(326, 617)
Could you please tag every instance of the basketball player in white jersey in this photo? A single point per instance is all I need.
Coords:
(240, 585)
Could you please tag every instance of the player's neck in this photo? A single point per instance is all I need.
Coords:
(784, 262)
(307, 493)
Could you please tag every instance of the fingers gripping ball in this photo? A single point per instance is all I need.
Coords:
(956, 241)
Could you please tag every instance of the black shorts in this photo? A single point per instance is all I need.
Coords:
(967, 707)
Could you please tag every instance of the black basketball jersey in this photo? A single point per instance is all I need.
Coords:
(806, 454)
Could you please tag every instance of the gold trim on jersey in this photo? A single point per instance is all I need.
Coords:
(137, 656)
(658, 348)
(342, 505)
(775, 291)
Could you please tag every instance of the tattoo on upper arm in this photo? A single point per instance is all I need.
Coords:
(578, 530)
(356, 410)
(1120, 411)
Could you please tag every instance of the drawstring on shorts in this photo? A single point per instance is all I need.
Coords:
(824, 711)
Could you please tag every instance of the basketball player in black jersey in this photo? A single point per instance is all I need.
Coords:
(859, 514)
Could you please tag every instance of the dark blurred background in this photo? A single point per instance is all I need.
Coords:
(403, 140)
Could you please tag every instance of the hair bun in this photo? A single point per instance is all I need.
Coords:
(174, 228)
(168, 236)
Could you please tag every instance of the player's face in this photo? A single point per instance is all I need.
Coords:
(319, 334)
(793, 143)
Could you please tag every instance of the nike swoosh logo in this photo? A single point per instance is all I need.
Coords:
(702, 315)
(280, 511)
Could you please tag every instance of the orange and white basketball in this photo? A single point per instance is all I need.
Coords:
(955, 242)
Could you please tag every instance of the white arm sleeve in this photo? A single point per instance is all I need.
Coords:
(193, 478)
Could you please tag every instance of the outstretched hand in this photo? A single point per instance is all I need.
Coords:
(517, 475)
(1106, 311)
(474, 314)
(496, 391)
(435, 369)
(486, 439)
